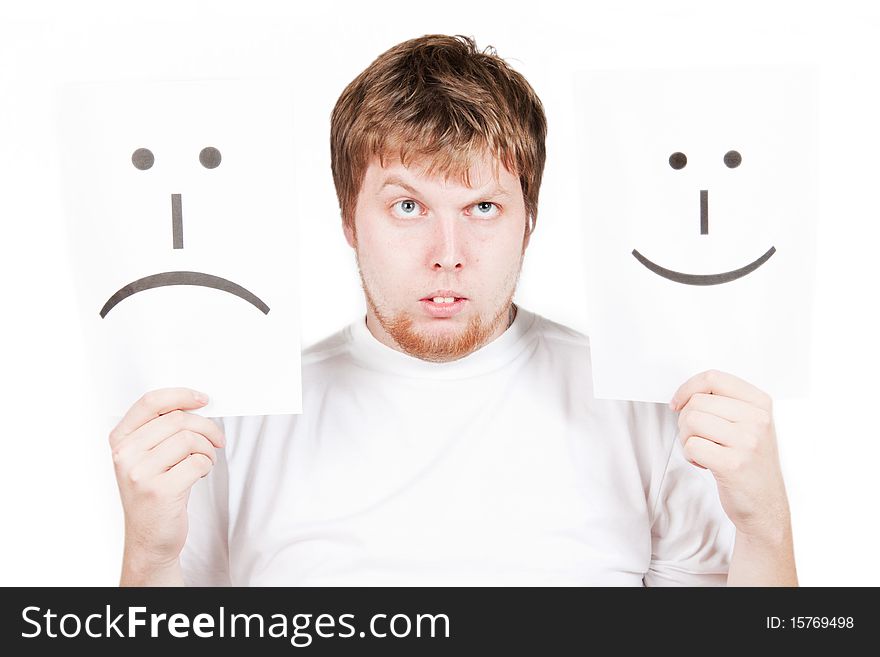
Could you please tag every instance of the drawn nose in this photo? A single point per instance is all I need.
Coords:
(704, 212)
(176, 221)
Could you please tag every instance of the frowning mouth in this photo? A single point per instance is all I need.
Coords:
(183, 278)
(704, 279)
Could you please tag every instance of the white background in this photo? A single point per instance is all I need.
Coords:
(61, 516)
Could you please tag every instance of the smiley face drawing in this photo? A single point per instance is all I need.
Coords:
(209, 157)
(732, 159)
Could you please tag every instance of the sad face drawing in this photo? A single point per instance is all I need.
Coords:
(144, 160)
(182, 216)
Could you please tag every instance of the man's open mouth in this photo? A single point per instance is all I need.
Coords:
(442, 304)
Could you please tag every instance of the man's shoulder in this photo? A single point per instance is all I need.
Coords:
(328, 348)
(558, 333)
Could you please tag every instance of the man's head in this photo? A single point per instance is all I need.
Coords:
(437, 152)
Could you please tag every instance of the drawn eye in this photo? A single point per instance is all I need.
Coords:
(678, 160)
(732, 159)
(142, 159)
(210, 157)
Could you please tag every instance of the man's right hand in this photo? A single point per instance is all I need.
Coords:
(159, 452)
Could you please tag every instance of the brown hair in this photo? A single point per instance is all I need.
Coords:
(438, 97)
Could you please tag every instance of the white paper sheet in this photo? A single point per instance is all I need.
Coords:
(185, 258)
(651, 332)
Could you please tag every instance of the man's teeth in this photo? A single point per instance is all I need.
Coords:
(443, 299)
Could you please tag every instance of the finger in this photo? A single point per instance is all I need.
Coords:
(165, 426)
(154, 403)
(707, 425)
(182, 476)
(732, 410)
(720, 383)
(173, 450)
(705, 453)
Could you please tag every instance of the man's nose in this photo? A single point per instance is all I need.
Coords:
(176, 221)
(447, 242)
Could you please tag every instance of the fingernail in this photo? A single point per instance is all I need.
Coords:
(200, 397)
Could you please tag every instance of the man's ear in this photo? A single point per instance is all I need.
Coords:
(349, 234)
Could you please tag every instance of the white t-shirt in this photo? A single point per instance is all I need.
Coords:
(496, 469)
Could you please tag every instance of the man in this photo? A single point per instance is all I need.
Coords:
(452, 437)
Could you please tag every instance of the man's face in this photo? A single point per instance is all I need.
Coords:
(439, 260)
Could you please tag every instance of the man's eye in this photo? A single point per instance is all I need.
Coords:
(485, 209)
(407, 208)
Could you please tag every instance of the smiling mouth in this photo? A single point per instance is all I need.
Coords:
(183, 278)
(704, 279)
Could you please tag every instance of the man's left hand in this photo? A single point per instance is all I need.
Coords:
(726, 426)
